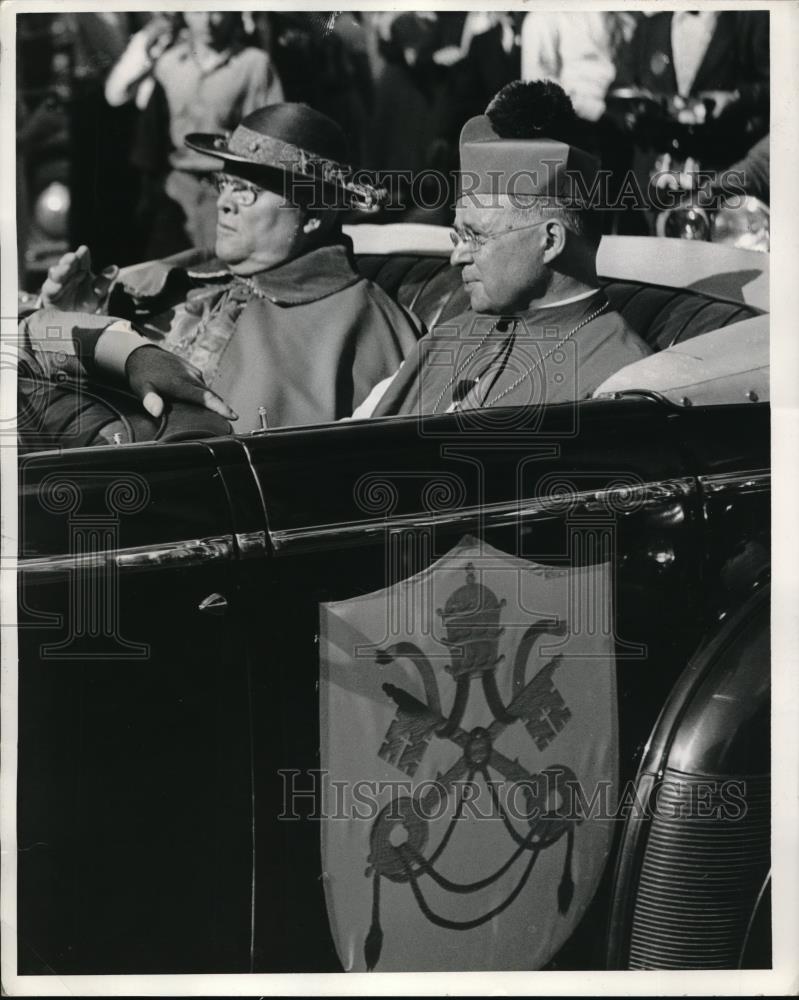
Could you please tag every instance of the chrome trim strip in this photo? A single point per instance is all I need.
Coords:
(189, 552)
(252, 544)
(622, 500)
(748, 481)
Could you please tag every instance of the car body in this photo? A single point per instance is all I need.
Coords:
(169, 636)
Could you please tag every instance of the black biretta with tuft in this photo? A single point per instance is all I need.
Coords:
(524, 146)
(535, 109)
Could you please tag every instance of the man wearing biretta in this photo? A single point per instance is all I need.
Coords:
(535, 326)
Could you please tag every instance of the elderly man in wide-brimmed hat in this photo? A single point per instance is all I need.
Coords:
(280, 325)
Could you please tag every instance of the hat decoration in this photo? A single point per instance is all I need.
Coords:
(280, 137)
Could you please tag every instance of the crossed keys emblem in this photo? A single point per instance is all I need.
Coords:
(399, 834)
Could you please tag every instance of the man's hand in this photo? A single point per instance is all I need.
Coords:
(448, 56)
(157, 376)
(720, 100)
(158, 33)
(70, 284)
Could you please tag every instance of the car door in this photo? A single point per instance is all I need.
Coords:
(171, 610)
(134, 798)
(352, 509)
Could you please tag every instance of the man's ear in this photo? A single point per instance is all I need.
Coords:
(556, 235)
(311, 225)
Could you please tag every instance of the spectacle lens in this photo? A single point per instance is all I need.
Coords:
(472, 242)
(242, 192)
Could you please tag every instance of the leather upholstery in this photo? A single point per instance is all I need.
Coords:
(662, 316)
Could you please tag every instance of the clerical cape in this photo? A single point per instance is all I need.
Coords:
(544, 355)
(306, 340)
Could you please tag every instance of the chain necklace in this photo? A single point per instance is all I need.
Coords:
(460, 368)
(530, 370)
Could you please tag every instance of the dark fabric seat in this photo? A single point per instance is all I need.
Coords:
(662, 316)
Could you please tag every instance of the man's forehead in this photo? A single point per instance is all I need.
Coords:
(481, 211)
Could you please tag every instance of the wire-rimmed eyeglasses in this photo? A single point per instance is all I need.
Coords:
(242, 192)
(463, 236)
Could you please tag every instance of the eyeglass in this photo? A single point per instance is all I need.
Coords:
(474, 242)
(242, 192)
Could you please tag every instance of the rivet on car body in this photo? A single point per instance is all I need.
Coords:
(664, 557)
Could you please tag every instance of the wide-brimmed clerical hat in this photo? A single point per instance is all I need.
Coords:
(301, 143)
(522, 146)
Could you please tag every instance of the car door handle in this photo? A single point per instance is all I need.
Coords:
(214, 604)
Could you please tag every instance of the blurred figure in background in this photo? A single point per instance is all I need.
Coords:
(576, 50)
(42, 148)
(755, 170)
(717, 57)
(491, 58)
(101, 188)
(432, 71)
(63, 123)
(579, 51)
(706, 76)
(404, 126)
(132, 76)
(322, 61)
(131, 83)
(479, 54)
(210, 79)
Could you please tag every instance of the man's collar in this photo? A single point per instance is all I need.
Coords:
(563, 310)
(566, 302)
(313, 276)
(324, 271)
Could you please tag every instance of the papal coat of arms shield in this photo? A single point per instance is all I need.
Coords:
(469, 757)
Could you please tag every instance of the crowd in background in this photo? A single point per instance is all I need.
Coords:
(104, 100)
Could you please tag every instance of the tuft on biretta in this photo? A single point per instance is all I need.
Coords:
(524, 146)
(532, 110)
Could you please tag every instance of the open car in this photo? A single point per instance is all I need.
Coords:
(185, 691)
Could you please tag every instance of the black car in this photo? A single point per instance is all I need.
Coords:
(197, 670)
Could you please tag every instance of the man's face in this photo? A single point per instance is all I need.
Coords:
(252, 238)
(504, 274)
(213, 28)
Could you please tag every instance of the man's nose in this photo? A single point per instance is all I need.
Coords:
(225, 201)
(462, 253)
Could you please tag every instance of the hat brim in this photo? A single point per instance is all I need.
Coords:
(215, 145)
